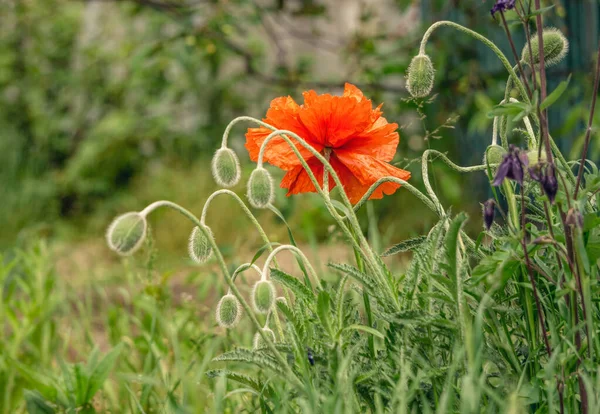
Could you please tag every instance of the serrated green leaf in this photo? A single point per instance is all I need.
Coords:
(258, 358)
(364, 328)
(324, 310)
(354, 273)
(405, 246)
(293, 284)
(244, 379)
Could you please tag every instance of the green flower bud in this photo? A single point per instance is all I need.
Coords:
(126, 233)
(229, 311)
(259, 342)
(260, 188)
(420, 76)
(199, 246)
(556, 47)
(226, 167)
(263, 296)
(494, 154)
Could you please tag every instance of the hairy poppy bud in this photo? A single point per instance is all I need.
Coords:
(420, 76)
(263, 296)
(489, 212)
(260, 188)
(226, 167)
(229, 311)
(556, 47)
(494, 154)
(126, 233)
(259, 342)
(199, 246)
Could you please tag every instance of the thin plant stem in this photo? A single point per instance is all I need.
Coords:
(514, 50)
(296, 250)
(588, 132)
(246, 211)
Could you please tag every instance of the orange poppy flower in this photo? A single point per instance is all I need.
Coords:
(361, 141)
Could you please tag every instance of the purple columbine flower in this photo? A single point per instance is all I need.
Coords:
(489, 212)
(546, 175)
(512, 166)
(503, 5)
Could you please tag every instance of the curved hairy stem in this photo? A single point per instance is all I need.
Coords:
(296, 250)
(242, 268)
(405, 184)
(486, 42)
(425, 172)
(246, 210)
(234, 290)
(242, 119)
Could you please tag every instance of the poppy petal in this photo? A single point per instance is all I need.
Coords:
(368, 170)
(283, 114)
(297, 180)
(379, 141)
(333, 120)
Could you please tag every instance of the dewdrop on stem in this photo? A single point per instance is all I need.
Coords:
(199, 246)
(263, 296)
(126, 233)
(420, 76)
(260, 188)
(229, 311)
(259, 342)
(226, 167)
(556, 47)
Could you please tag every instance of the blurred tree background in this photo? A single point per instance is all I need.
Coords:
(106, 105)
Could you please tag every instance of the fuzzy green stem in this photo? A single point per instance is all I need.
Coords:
(425, 173)
(246, 211)
(296, 250)
(404, 184)
(486, 42)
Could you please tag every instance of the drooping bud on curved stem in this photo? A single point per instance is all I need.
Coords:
(229, 311)
(127, 232)
(420, 76)
(556, 47)
(226, 167)
(260, 188)
(263, 296)
(486, 42)
(199, 246)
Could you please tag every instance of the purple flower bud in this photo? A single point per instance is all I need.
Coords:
(489, 212)
(546, 176)
(512, 166)
(503, 5)
(550, 183)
